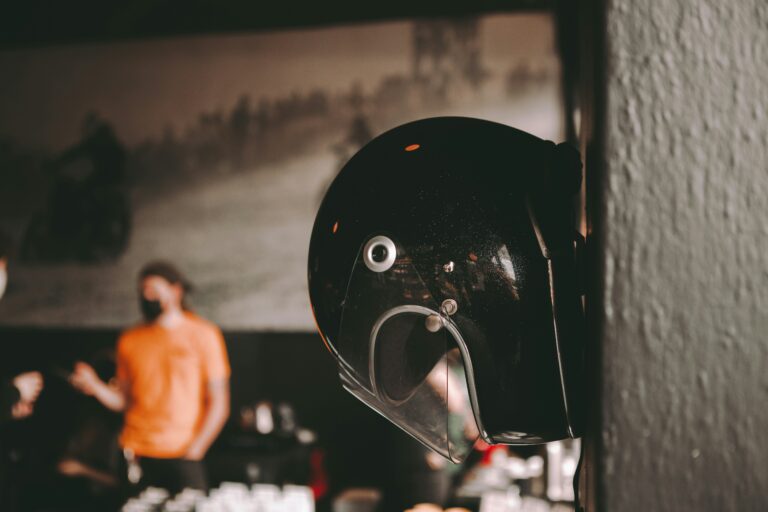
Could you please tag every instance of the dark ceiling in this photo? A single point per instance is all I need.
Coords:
(43, 22)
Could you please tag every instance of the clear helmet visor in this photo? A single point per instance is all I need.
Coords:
(400, 353)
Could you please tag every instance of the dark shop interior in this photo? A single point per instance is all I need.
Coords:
(488, 256)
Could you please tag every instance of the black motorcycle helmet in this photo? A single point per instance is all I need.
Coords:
(443, 279)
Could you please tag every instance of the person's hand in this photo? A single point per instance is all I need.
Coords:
(429, 507)
(21, 410)
(85, 379)
(195, 452)
(434, 461)
(470, 428)
(71, 467)
(425, 507)
(29, 385)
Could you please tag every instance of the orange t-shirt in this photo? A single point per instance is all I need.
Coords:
(166, 373)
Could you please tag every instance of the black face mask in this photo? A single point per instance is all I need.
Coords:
(151, 309)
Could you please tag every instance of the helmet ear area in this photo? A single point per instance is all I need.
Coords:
(549, 200)
(552, 215)
(567, 169)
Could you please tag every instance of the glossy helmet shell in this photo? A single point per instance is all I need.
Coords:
(496, 204)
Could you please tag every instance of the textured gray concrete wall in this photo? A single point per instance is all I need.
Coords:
(685, 338)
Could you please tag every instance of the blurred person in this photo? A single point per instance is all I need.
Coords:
(17, 399)
(17, 394)
(89, 465)
(172, 384)
(419, 475)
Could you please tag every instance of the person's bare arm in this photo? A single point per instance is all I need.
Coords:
(74, 468)
(111, 395)
(216, 414)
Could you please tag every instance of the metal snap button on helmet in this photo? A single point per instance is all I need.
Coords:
(380, 254)
(451, 299)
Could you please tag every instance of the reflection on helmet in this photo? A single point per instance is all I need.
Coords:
(442, 276)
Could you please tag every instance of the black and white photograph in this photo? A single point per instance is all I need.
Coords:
(215, 151)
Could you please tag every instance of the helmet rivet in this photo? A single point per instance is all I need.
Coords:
(448, 267)
(379, 254)
(433, 323)
(449, 307)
